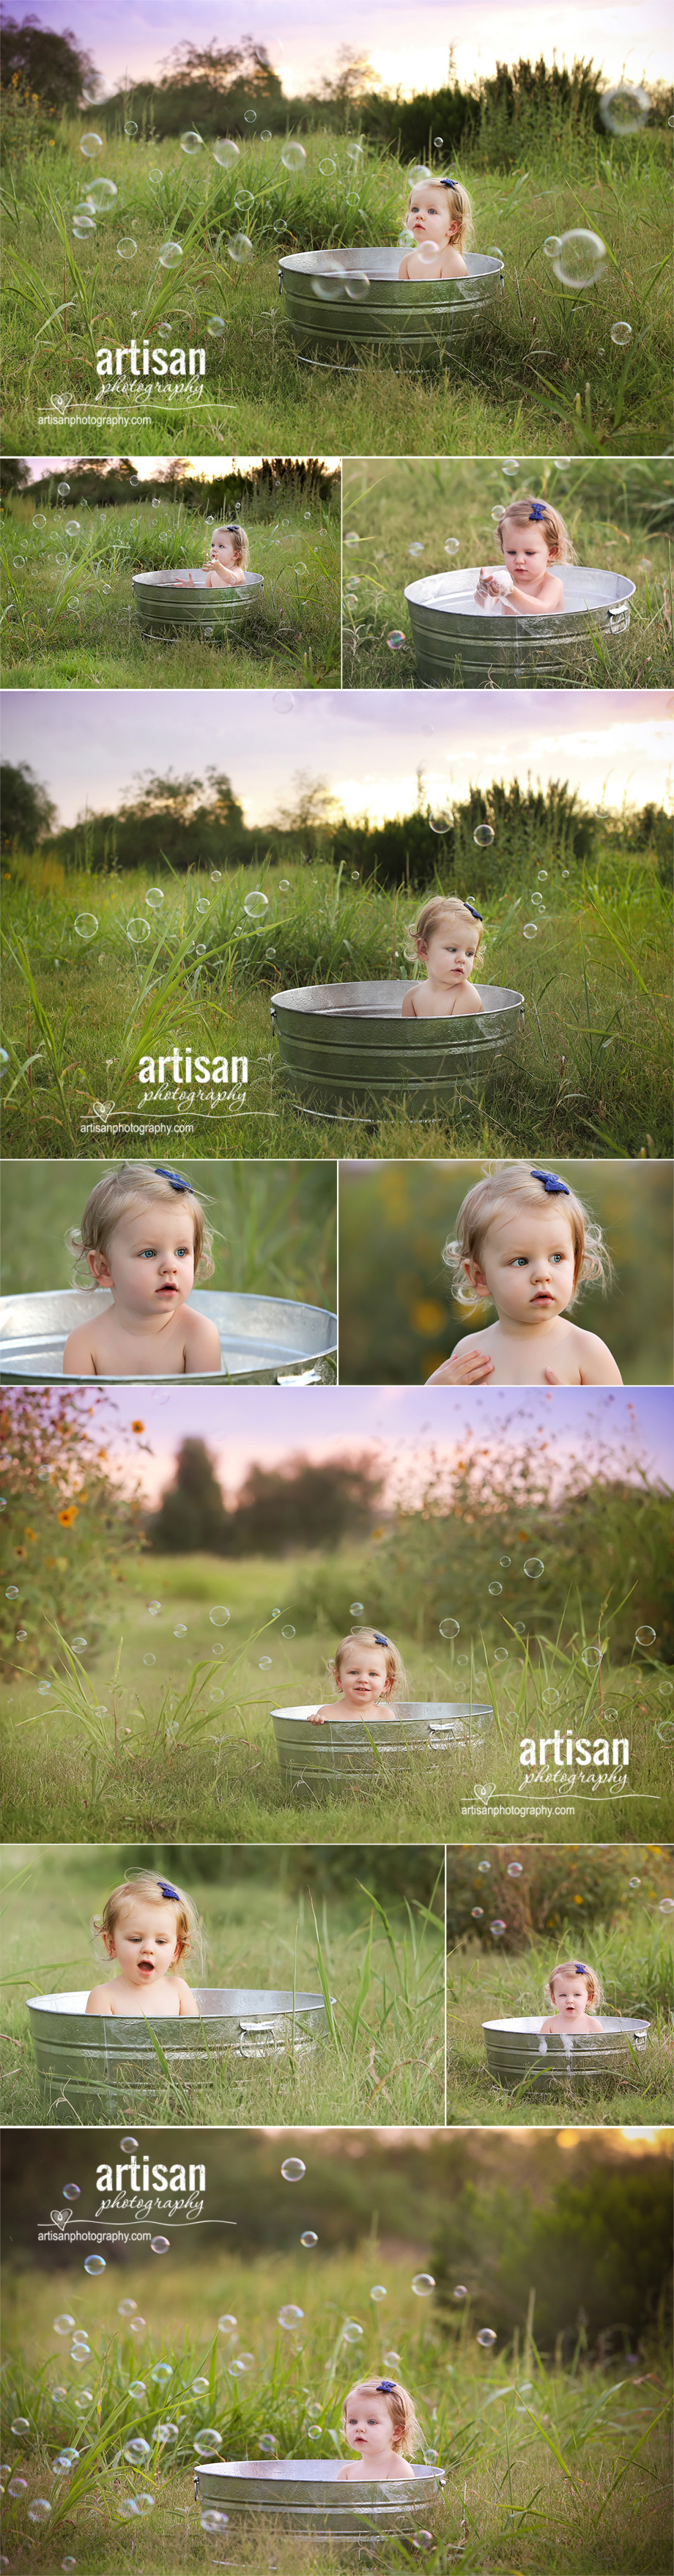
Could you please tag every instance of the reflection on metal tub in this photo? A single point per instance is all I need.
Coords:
(345, 304)
(350, 1042)
(517, 2051)
(263, 1340)
(88, 2060)
(308, 2497)
(352, 1753)
(460, 646)
(160, 601)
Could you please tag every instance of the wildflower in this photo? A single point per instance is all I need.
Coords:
(29, 1533)
(138, 1426)
(68, 1516)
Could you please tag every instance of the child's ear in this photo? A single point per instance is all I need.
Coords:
(98, 1266)
(476, 1277)
(109, 1944)
(421, 946)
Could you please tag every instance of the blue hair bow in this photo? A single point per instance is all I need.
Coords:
(446, 183)
(168, 1890)
(537, 510)
(581, 1969)
(470, 907)
(385, 2387)
(175, 1178)
(379, 1641)
(555, 1189)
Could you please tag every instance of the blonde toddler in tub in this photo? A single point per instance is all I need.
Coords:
(380, 2424)
(226, 564)
(525, 1244)
(144, 1236)
(573, 1989)
(148, 1928)
(446, 937)
(534, 542)
(366, 1668)
(439, 214)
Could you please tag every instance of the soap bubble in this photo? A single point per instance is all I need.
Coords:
(127, 247)
(351, 2331)
(665, 1734)
(442, 820)
(256, 905)
(484, 1869)
(264, 1663)
(460, 2292)
(309, 2238)
(83, 227)
(287, 1632)
(294, 156)
(84, 2399)
(391, 2360)
(63, 2325)
(181, 1630)
(552, 246)
(170, 255)
(486, 2337)
(38, 2511)
(243, 198)
(514, 1869)
(137, 930)
(226, 2325)
(137, 2451)
(449, 1628)
(71, 2191)
(21, 2425)
(477, 1912)
(154, 1608)
(207, 2441)
(534, 1566)
(137, 2388)
(530, 930)
(644, 1636)
(191, 141)
(496, 1587)
(86, 925)
(634, 1882)
(423, 2283)
(90, 144)
(128, 2144)
(497, 1928)
(154, 897)
(624, 108)
(290, 2318)
(580, 258)
(129, 128)
(17, 2486)
(451, 545)
(62, 491)
(293, 2169)
(95, 2263)
(396, 640)
(621, 333)
(357, 287)
(591, 1656)
(510, 465)
(417, 173)
(101, 195)
(356, 1608)
(423, 2539)
(159, 2244)
(214, 2520)
(665, 1689)
(225, 153)
(39, 520)
(378, 2292)
(137, 2326)
(483, 835)
(215, 326)
(666, 1905)
(327, 167)
(127, 2307)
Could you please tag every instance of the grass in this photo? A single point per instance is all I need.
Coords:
(400, 515)
(185, 1751)
(69, 620)
(565, 2466)
(547, 362)
(590, 1070)
(494, 1988)
(383, 2059)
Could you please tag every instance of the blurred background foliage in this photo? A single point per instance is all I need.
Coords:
(398, 1319)
(68, 1535)
(562, 1889)
(274, 1225)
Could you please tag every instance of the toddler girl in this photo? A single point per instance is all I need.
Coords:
(144, 1237)
(533, 540)
(366, 1668)
(439, 214)
(148, 1927)
(525, 1242)
(379, 2422)
(226, 565)
(571, 1987)
(446, 936)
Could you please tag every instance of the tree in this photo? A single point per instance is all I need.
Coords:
(218, 70)
(192, 1514)
(53, 67)
(352, 75)
(306, 1503)
(14, 475)
(27, 810)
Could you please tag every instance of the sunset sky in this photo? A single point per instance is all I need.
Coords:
(407, 48)
(365, 746)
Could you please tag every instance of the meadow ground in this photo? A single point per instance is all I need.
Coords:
(92, 985)
(634, 1961)
(384, 2059)
(69, 619)
(548, 361)
(562, 2463)
(165, 1756)
(402, 517)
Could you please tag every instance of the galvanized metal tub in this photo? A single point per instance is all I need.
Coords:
(350, 1753)
(159, 601)
(94, 2060)
(263, 1340)
(517, 2051)
(416, 318)
(349, 1042)
(308, 2498)
(460, 646)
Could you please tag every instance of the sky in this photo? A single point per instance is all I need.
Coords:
(366, 746)
(408, 48)
(398, 1422)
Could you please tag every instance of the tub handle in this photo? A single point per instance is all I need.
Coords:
(255, 2026)
(522, 1016)
(303, 1377)
(280, 279)
(273, 1019)
(618, 619)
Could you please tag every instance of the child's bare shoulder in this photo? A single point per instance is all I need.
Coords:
(78, 1357)
(188, 2004)
(595, 1360)
(409, 1011)
(202, 1339)
(100, 2000)
(472, 1000)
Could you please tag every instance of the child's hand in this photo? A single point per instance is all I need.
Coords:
(488, 586)
(466, 1368)
(550, 1378)
(317, 1720)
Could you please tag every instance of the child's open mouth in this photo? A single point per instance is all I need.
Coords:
(146, 1967)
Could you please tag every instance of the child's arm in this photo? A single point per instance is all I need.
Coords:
(408, 1010)
(318, 1715)
(189, 2008)
(78, 1356)
(472, 1002)
(100, 2000)
(520, 601)
(468, 1366)
(402, 272)
(452, 263)
(595, 1361)
(202, 1343)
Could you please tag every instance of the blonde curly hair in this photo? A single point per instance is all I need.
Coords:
(406, 2434)
(438, 909)
(459, 207)
(240, 546)
(147, 1887)
(503, 1186)
(395, 1670)
(555, 532)
(576, 1968)
(109, 1200)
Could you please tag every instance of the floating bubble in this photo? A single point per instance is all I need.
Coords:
(84, 2398)
(83, 227)
(86, 925)
(64, 2324)
(496, 1587)
(351, 2331)
(293, 2169)
(101, 196)
(215, 326)
(129, 2143)
(294, 156)
(170, 255)
(591, 1656)
(449, 1628)
(209, 2440)
(225, 153)
(621, 333)
(552, 246)
(423, 2283)
(442, 820)
(137, 2451)
(477, 1912)
(95, 2263)
(71, 2191)
(665, 1733)
(264, 1663)
(287, 1632)
(510, 465)
(486, 2337)
(424, 2539)
(214, 2520)
(580, 258)
(154, 1608)
(226, 2325)
(497, 1928)
(309, 2238)
(129, 128)
(159, 2244)
(483, 835)
(127, 2307)
(219, 1616)
(21, 2425)
(665, 1689)
(514, 1869)
(256, 905)
(191, 141)
(624, 108)
(181, 1630)
(378, 2292)
(356, 1608)
(550, 1698)
(357, 287)
(396, 640)
(39, 2509)
(62, 491)
(451, 545)
(127, 247)
(534, 1567)
(417, 173)
(239, 248)
(484, 1869)
(644, 1636)
(530, 930)
(137, 930)
(90, 144)
(290, 2318)
(17, 2486)
(243, 199)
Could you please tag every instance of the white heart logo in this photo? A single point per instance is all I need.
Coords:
(484, 1793)
(60, 2217)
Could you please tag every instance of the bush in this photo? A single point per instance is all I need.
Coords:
(66, 1532)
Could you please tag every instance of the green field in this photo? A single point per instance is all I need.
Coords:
(196, 1758)
(69, 620)
(634, 1962)
(563, 2458)
(590, 1071)
(385, 2057)
(548, 362)
(400, 515)
(274, 1226)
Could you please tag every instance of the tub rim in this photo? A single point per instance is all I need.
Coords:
(88, 1303)
(417, 595)
(71, 2002)
(307, 263)
(532, 2025)
(299, 997)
